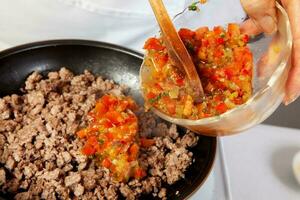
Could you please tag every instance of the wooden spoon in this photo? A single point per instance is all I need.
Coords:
(176, 49)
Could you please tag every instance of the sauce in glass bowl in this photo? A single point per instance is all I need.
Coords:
(224, 63)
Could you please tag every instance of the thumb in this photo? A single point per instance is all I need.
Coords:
(262, 15)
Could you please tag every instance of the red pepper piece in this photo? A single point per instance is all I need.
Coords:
(153, 44)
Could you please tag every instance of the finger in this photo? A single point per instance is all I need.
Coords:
(293, 84)
(250, 28)
(262, 13)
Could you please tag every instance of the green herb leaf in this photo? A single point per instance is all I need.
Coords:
(152, 101)
(101, 141)
(189, 46)
(193, 6)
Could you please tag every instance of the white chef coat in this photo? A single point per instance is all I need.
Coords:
(127, 23)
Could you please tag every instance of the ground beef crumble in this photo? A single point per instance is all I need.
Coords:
(40, 155)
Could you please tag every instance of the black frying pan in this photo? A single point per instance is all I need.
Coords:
(110, 61)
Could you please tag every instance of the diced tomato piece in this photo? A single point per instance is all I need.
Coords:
(123, 105)
(114, 117)
(131, 119)
(220, 41)
(145, 142)
(221, 108)
(229, 72)
(106, 163)
(158, 87)
(171, 106)
(186, 34)
(153, 44)
(207, 115)
(233, 29)
(218, 53)
(82, 133)
(200, 32)
(105, 100)
(110, 136)
(204, 42)
(218, 30)
(107, 124)
(139, 173)
(180, 81)
(238, 54)
(124, 129)
(246, 38)
(238, 101)
(218, 98)
(133, 130)
(209, 87)
(93, 141)
(109, 100)
(92, 115)
(88, 150)
(151, 95)
(160, 60)
(245, 72)
(94, 127)
(132, 104)
(133, 152)
(215, 77)
(101, 108)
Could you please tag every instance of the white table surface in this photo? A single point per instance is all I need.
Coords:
(259, 163)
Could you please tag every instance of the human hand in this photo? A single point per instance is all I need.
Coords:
(263, 19)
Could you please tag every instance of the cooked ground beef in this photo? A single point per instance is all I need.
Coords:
(40, 155)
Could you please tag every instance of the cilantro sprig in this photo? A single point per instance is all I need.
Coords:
(154, 100)
(192, 7)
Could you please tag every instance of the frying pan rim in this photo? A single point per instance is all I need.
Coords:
(62, 42)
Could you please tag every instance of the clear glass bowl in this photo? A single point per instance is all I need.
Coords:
(271, 57)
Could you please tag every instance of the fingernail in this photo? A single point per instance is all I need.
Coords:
(289, 100)
(268, 24)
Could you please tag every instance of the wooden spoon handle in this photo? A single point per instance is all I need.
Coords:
(176, 49)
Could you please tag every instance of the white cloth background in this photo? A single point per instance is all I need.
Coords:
(127, 23)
